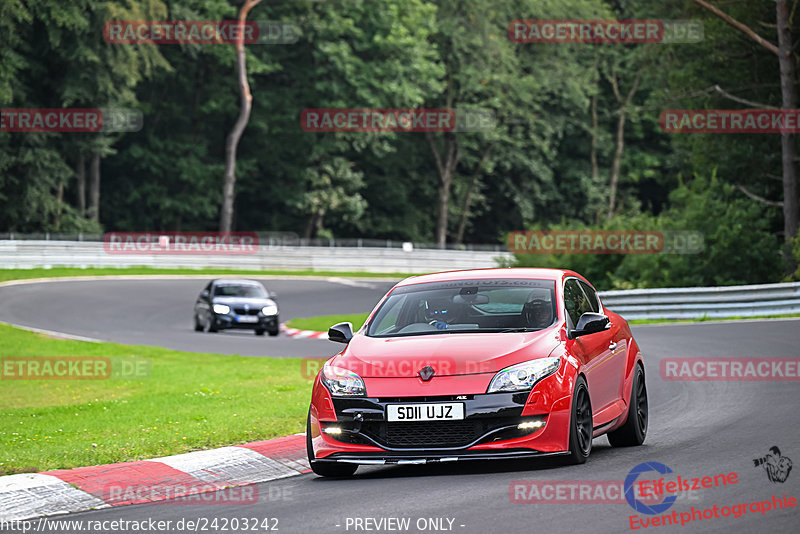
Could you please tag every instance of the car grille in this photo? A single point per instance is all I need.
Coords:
(431, 433)
(239, 310)
(424, 434)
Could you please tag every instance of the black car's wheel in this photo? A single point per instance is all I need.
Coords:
(274, 331)
(198, 327)
(634, 430)
(580, 426)
(260, 331)
(210, 326)
(325, 469)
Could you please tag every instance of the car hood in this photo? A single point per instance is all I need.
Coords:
(241, 301)
(447, 354)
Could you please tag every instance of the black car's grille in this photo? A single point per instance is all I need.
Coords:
(239, 310)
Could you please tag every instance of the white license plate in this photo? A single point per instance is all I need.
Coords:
(247, 318)
(446, 411)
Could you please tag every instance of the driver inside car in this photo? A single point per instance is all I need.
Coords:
(537, 313)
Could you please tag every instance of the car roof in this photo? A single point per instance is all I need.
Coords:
(236, 282)
(478, 274)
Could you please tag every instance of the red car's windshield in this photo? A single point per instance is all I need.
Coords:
(490, 305)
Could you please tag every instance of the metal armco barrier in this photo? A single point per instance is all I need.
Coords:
(698, 302)
(23, 254)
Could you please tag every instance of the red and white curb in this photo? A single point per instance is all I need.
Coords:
(302, 334)
(31, 495)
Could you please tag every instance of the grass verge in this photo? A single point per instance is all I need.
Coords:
(60, 272)
(321, 323)
(186, 402)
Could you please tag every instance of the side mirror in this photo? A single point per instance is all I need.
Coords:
(341, 332)
(272, 295)
(204, 293)
(591, 323)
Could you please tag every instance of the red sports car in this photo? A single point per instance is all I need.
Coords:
(475, 365)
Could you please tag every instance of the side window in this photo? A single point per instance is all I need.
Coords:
(574, 300)
(591, 295)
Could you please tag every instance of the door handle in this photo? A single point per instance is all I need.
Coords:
(612, 346)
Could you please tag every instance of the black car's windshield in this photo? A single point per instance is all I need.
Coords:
(493, 305)
(240, 290)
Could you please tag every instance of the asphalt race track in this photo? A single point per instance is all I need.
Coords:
(159, 312)
(697, 428)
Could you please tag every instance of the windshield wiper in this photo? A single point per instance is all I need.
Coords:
(518, 329)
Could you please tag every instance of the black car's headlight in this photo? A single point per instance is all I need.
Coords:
(341, 382)
(523, 375)
(270, 309)
(222, 309)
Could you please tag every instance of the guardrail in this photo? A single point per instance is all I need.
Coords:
(699, 302)
(271, 255)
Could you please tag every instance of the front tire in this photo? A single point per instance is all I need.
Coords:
(260, 331)
(325, 469)
(580, 426)
(633, 432)
(210, 326)
(198, 327)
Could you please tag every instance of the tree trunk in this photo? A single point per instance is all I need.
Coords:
(94, 188)
(788, 147)
(595, 130)
(445, 168)
(620, 141)
(81, 173)
(232, 142)
(462, 223)
(59, 206)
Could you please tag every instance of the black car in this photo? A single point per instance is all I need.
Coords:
(241, 304)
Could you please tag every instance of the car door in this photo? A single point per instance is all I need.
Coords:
(612, 365)
(592, 349)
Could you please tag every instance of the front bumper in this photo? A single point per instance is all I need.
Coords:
(231, 321)
(489, 430)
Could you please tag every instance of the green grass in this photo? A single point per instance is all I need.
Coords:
(188, 402)
(58, 272)
(323, 322)
(706, 318)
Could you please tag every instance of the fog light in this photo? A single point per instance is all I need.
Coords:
(530, 425)
(332, 430)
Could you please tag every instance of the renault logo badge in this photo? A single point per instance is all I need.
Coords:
(426, 373)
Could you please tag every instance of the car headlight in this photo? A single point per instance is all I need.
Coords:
(342, 382)
(222, 309)
(523, 375)
(270, 309)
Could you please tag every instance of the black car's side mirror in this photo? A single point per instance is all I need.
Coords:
(204, 293)
(341, 332)
(591, 323)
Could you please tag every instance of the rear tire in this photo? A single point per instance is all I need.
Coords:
(325, 469)
(633, 432)
(580, 424)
